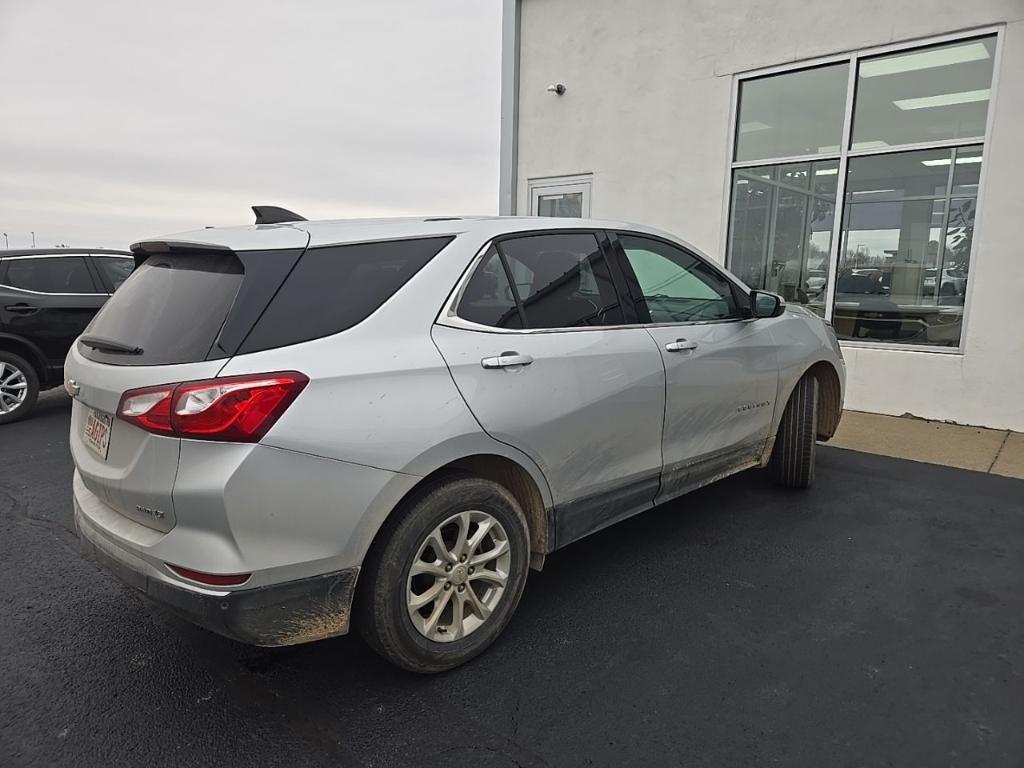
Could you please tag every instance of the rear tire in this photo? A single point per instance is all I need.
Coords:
(792, 461)
(445, 576)
(19, 387)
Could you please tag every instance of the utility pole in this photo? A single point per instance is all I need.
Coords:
(33, 239)
(6, 243)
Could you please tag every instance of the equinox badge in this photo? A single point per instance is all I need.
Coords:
(156, 513)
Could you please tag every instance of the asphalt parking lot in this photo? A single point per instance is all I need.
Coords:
(875, 620)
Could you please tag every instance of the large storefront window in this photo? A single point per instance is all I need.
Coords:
(895, 268)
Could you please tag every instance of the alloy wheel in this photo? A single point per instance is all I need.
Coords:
(13, 387)
(458, 576)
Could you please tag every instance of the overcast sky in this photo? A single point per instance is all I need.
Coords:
(125, 119)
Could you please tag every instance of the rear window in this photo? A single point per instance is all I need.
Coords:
(186, 307)
(334, 288)
(172, 307)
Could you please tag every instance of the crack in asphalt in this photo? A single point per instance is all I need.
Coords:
(21, 512)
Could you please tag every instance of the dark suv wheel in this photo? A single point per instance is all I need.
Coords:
(444, 583)
(19, 387)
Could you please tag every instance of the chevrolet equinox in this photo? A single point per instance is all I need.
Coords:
(282, 429)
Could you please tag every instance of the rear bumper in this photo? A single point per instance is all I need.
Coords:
(289, 613)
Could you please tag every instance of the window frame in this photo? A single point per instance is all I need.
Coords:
(5, 261)
(853, 58)
(581, 182)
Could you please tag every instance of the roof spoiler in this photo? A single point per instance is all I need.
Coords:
(271, 214)
(146, 248)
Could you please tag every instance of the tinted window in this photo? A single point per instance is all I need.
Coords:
(675, 285)
(488, 298)
(562, 280)
(115, 268)
(332, 289)
(172, 307)
(63, 274)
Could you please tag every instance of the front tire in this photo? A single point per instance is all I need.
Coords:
(445, 577)
(792, 461)
(19, 387)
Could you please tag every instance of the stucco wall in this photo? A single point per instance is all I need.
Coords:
(649, 86)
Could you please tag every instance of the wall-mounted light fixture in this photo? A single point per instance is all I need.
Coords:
(556, 88)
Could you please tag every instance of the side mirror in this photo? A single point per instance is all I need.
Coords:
(764, 304)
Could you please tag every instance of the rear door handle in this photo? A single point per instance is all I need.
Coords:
(21, 309)
(680, 345)
(506, 360)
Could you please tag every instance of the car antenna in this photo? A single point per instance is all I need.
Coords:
(271, 214)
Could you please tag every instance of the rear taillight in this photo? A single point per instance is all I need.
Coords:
(149, 408)
(239, 409)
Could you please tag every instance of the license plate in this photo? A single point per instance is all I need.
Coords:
(97, 432)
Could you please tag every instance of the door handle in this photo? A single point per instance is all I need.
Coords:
(21, 309)
(680, 345)
(506, 360)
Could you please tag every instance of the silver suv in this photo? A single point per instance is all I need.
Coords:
(280, 428)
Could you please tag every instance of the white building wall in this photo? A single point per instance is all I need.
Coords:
(647, 111)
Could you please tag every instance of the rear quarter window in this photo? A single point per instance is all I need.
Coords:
(115, 269)
(334, 288)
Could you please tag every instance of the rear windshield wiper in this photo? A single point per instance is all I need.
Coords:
(109, 345)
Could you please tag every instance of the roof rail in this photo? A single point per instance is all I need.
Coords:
(271, 214)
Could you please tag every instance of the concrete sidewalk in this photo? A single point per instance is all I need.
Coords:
(999, 452)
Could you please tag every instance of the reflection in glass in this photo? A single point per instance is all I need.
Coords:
(748, 229)
(567, 205)
(894, 176)
(488, 298)
(792, 114)
(967, 171)
(562, 280)
(116, 269)
(931, 94)
(951, 280)
(675, 285)
(905, 251)
(781, 229)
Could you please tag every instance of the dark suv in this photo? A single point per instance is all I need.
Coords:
(46, 300)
